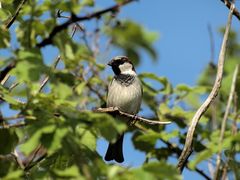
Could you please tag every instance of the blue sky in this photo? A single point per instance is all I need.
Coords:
(183, 47)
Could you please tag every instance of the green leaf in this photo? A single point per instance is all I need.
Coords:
(87, 138)
(8, 140)
(30, 66)
(34, 140)
(200, 157)
(56, 143)
(87, 3)
(6, 96)
(107, 126)
(71, 172)
(161, 170)
(5, 37)
(140, 174)
(61, 90)
(80, 88)
(167, 87)
(146, 142)
(17, 174)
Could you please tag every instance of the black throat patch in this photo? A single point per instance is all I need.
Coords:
(125, 79)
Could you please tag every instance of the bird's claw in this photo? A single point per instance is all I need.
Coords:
(133, 120)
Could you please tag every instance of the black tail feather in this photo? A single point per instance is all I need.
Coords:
(114, 151)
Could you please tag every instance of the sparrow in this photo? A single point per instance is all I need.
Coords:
(125, 93)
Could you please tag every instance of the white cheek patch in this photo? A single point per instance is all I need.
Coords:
(126, 68)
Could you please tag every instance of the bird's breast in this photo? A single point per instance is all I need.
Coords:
(126, 98)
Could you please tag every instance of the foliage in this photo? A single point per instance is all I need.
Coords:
(58, 120)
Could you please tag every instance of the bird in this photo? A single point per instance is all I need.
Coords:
(125, 93)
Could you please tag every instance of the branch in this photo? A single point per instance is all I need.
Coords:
(115, 110)
(13, 86)
(45, 80)
(7, 126)
(223, 127)
(8, 25)
(74, 19)
(7, 157)
(6, 70)
(187, 150)
(235, 11)
(177, 151)
(54, 66)
(34, 158)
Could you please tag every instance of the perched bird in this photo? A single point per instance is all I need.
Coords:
(125, 93)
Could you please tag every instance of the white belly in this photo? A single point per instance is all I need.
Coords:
(127, 99)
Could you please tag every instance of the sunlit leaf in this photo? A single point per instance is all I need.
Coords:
(69, 172)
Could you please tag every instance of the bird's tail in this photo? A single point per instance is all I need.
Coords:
(114, 151)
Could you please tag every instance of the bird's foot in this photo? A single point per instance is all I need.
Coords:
(133, 120)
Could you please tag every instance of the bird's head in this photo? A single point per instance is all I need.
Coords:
(122, 65)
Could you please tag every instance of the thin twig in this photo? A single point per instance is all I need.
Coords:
(235, 11)
(235, 102)
(5, 79)
(137, 118)
(45, 80)
(85, 40)
(8, 25)
(6, 70)
(13, 86)
(187, 150)
(224, 122)
(17, 116)
(6, 157)
(36, 156)
(81, 28)
(7, 126)
(75, 18)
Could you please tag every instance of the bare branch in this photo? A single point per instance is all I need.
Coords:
(74, 19)
(5, 79)
(9, 23)
(187, 150)
(175, 149)
(6, 157)
(235, 11)
(224, 122)
(6, 70)
(36, 156)
(45, 80)
(13, 86)
(15, 117)
(137, 118)
(7, 126)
